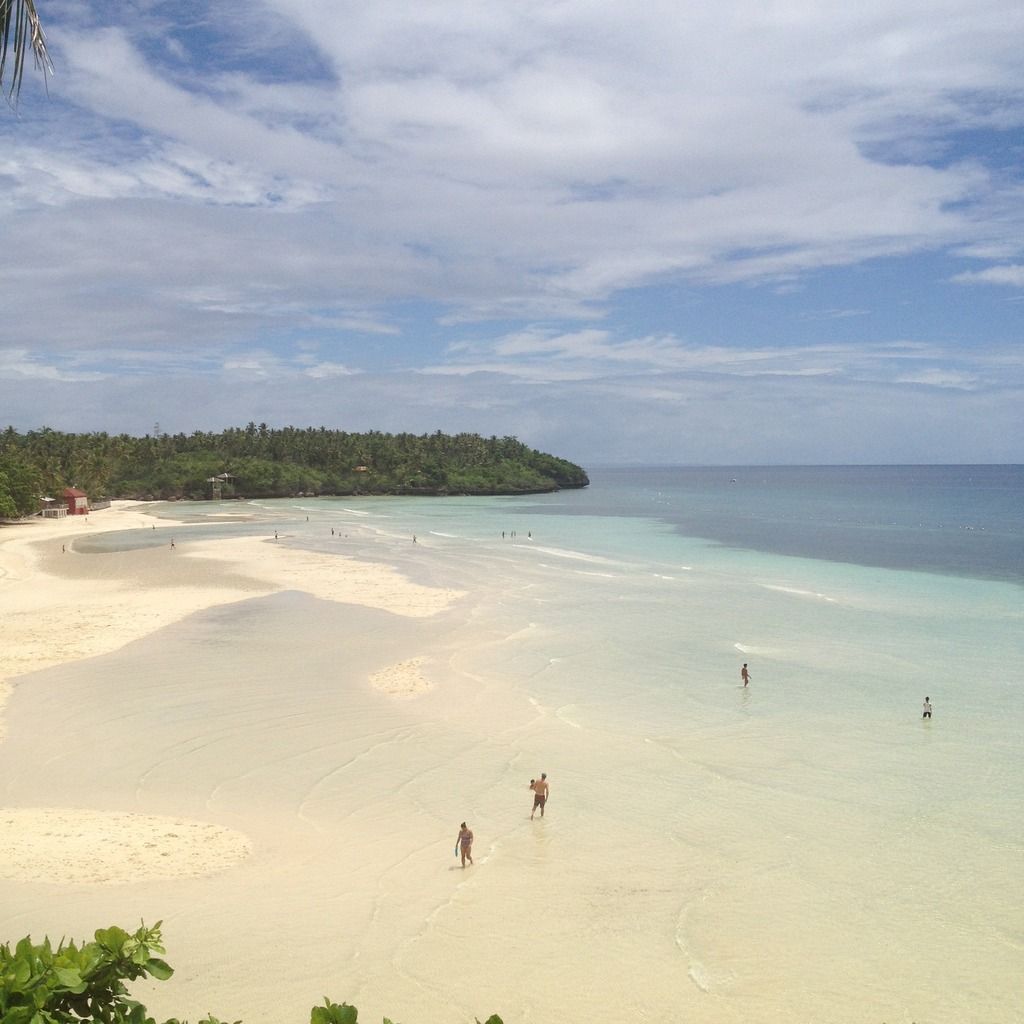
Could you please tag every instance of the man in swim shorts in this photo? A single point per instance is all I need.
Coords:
(540, 794)
(927, 708)
(744, 674)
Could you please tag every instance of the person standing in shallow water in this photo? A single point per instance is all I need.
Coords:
(927, 708)
(465, 843)
(540, 794)
(744, 674)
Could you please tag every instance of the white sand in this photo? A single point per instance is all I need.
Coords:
(403, 679)
(55, 610)
(58, 606)
(67, 845)
(278, 567)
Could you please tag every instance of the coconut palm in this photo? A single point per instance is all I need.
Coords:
(21, 31)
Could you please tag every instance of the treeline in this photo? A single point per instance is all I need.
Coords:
(260, 462)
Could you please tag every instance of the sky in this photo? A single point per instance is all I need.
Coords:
(676, 232)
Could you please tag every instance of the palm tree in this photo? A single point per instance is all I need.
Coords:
(21, 30)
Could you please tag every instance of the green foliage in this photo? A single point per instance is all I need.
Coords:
(72, 984)
(8, 509)
(265, 463)
(332, 1013)
(20, 486)
(20, 33)
(43, 985)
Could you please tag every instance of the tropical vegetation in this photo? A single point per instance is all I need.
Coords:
(20, 33)
(257, 461)
(72, 983)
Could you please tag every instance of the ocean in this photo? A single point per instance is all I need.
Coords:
(807, 848)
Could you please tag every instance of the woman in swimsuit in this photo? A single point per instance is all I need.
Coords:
(465, 842)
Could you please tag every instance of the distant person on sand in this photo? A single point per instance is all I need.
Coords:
(465, 843)
(744, 674)
(540, 794)
(927, 708)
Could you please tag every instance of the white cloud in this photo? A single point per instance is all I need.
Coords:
(329, 370)
(652, 417)
(940, 378)
(1011, 275)
(604, 148)
(345, 180)
(22, 365)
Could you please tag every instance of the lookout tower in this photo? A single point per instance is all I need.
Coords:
(216, 485)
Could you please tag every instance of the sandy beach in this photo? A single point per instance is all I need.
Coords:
(268, 744)
(59, 607)
(232, 805)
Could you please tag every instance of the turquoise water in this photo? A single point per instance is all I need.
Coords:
(807, 848)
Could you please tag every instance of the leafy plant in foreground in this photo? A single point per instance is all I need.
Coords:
(72, 984)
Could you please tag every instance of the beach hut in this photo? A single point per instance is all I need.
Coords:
(51, 510)
(77, 501)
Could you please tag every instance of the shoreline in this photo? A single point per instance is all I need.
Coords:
(711, 850)
(60, 607)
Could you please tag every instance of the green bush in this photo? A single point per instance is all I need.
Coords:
(72, 984)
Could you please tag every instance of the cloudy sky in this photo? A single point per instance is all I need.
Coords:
(657, 232)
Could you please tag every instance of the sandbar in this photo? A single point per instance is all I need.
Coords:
(60, 606)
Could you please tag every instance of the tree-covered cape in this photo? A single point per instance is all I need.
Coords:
(257, 461)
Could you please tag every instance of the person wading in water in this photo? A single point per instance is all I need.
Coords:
(465, 843)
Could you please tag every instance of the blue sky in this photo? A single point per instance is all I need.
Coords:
(675, 232)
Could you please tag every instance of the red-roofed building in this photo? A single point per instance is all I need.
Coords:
(78, 501)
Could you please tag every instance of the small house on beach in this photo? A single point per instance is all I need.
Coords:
(51, 510)
(77, 501)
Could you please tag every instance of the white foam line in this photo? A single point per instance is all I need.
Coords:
(798, 592)
(578, 556)
(568, 721)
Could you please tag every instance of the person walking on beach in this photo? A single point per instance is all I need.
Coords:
(744, 674)
(540, 794)
(464, 843)
(927, 708)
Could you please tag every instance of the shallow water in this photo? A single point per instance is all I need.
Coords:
(807, 848)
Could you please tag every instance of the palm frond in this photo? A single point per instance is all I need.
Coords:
(20, 32)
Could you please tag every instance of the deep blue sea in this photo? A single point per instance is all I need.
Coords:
(960, 520)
